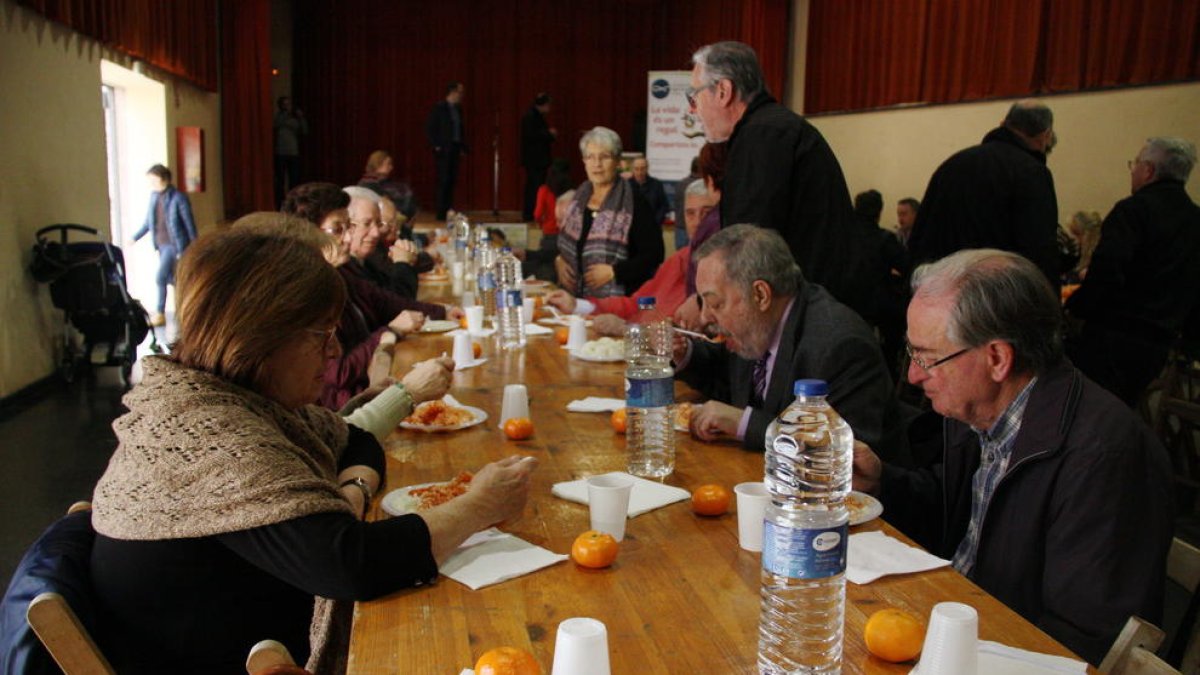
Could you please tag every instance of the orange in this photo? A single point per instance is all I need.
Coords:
(710, 500)
(462, 322)
(507, 661)
(894, 635)
(561, 334)
(476, 349)
(618, 420)
(538, 301)
(518, 428)
(594, 549)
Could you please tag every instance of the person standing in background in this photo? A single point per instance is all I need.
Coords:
(290, 125)
(170, 218)
(906, 215)
(681, 236)
(445, 131)
(536, 138)
(651, 189)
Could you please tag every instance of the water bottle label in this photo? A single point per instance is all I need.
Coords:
(649, 393)
(508, 298)
(487, 281)
(804, 554)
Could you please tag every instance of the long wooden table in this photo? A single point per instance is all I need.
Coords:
(682, 596)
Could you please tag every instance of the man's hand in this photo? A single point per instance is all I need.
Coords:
(561, 300)
(715, 420)
(429, 380)
(679, 347)
(403, 251)
(608, 324)
(454, 313)
(687, 315)
(501, 488)
(868, 469)
(406, 322)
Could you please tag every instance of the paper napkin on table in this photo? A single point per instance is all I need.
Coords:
(492, 556)
(535, 329)
(470, 364)
(646, 495)
(874, 554)
(998, 659)
(596, 404)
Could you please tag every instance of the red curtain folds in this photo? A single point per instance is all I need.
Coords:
(247, 151)
(367, 74)
(179, 37)
(872, 53)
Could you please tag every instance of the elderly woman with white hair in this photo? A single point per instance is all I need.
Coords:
(608, 243)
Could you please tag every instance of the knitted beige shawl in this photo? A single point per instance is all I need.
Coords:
(199, 456)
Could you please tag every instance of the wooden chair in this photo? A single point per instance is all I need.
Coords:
(64, 636)
(1132, 652)
(1183, 567)
(272, 658)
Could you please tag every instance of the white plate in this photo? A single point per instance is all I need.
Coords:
(480, 417)
(438, 326)
(552, 321)
(399, 501)
(575, 354)
(870, 508)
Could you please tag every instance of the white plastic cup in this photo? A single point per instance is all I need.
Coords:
(456, 277)
(468, 298)
(752, 500)
(608, 503)
(464, 351)
(951, 641)
(577, 332)
(581, 648)
(527, 310)
(474, 319)
(515, 403)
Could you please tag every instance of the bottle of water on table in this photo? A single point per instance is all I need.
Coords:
(809, 454)
(485, 273)
(649, 393)
(509, 300)
(460, 237)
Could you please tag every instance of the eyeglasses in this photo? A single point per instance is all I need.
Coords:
(693, 92)
(327, 334)
(602, 157)
(908, 349)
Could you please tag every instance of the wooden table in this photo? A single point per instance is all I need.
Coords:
(682, 597)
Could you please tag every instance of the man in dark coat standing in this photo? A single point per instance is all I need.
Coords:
(998, 194)
(536, 138)
(780, 174)
(1143, 286)
(445, 131)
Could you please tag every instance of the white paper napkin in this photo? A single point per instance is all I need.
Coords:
(646, 495)
(874, 554)
(535, 329)
(998, 659)
(492, 556)
(470, 364)
(596, 404)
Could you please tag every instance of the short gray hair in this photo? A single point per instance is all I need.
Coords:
(751, 253)
(733, 61)
(604, 137)
(1030, 117)
(357, 192)
(998, 295)
(696, 188)
(1172, 158)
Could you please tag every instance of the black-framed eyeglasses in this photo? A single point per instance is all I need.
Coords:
(908, 349)
(328, 335)
(693, 92)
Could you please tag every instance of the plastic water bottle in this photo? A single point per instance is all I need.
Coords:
(649, 393)
(508, 300)
(809, 453)
(460, 235)
(485, 274)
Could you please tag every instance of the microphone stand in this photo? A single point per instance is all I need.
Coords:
(496, 166)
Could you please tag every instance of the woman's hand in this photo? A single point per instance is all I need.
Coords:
(599, 274)
(406, 322)
(501, 488)
(403, 251)
(454, 313)
(609, 324)
(429, 380)
(566, 275)
(561, 300)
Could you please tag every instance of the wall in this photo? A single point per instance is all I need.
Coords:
(53, 169)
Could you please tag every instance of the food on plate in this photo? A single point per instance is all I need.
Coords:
(439, 414)
(894, 635)
(683, 415)
(507, 661)
(518, 428)
(562, 335)
(439, 493)
(857, 505)
(618, 420)
(476, 349)
(710, 500)
(605, 348)
(594, 549)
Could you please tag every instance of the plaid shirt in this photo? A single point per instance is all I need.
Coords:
(995, 448)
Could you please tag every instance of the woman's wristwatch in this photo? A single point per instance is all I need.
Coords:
(361, 484)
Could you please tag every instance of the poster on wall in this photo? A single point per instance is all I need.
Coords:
(189, 150)
(674, 135)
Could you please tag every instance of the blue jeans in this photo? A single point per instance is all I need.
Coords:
(166, 273)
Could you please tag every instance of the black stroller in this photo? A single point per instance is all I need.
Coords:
(87, 282)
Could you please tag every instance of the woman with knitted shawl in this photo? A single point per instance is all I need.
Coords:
(232, 508)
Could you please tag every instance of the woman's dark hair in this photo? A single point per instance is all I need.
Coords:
(314, 201)
(712, 162)
(558, 177)
(162, 172)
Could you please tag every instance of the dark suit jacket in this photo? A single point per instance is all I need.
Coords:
(536, 139)
(180, 224)
(822, 339)
(439, 127)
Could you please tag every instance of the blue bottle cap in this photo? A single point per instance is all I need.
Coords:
(504, 250)
(810, 388)
(645, 301)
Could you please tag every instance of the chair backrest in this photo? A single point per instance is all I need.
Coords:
(1142, 662)
(64, 636)
(272, 658)
(1136, 635)
(1183, 567)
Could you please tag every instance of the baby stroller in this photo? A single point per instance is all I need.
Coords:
(87, 282)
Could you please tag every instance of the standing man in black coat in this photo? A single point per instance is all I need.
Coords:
(536, 138)
(445, 131)
(998, 194)
(1143, 285)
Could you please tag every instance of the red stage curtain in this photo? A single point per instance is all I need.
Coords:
(367, 74)
(179, 36)
(863, 53)
(247, 151)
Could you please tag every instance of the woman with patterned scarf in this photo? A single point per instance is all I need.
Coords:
(608, 243)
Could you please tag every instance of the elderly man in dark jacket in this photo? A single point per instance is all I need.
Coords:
(1142, 288)
(1052, 494)
(536, 138)
(170, 219)
(998, 194)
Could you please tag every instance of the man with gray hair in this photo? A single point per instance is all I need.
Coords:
(780, 172)
(1052, 494)
(779, 328)
(998, 194)
(1142, 287)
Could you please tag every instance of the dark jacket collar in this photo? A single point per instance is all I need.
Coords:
(757, 102)
(1003, 134)
(787, 348)
(1049, 414)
